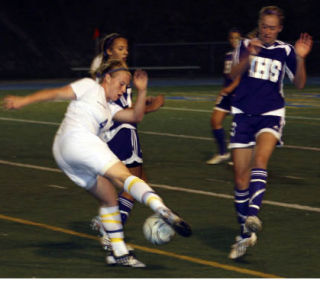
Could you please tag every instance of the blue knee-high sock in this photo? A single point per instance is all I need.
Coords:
(125, 207)
(257, 189)
(220, 138)
(241, 201)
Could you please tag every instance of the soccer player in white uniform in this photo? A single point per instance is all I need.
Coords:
(122, 138)
(223, 103)
(88, 161)
(258, 109)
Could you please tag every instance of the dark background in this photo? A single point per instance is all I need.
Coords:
(41, 39)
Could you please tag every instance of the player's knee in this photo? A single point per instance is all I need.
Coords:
(241, 181)
(261, 161)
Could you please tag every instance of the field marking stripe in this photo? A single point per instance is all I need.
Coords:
(181, 189)
(210, 111)
(4, 162)
(49, 227)
(153, 133)
(29, 121)
(142, 248)
(225, 196)
(211, 139)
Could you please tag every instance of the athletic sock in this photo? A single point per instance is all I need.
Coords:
(111, 221)
(125, 207)
(241, 201)
(257, 188)
(140, 191)
(220, 138)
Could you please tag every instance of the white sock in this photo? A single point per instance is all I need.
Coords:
(111, 221)
(141, 191)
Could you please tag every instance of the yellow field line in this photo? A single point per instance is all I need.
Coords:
(142, 248)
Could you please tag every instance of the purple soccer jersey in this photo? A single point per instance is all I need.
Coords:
(261, 87)
(224, 101)
(228, 61)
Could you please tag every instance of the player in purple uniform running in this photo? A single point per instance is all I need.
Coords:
(223, 102)
(122, 138)
(258, 109)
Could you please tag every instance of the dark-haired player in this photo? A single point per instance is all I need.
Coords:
(122, 138)
(223, 102)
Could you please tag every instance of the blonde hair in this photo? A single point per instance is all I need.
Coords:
(272, 10)
(110, 67)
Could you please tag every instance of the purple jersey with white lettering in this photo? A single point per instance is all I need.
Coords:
(260, 90)
(228, 61)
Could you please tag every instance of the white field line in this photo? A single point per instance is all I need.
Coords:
(57, 187)
(180, 189)
(151, 133)
(209, 111)
(211, 139)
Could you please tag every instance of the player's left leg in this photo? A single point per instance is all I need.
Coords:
(110, 220)
(242, 165)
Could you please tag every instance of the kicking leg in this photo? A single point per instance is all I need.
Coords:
(143, 193)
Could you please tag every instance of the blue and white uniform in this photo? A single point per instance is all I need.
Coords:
(258, 103)
(122, 138)
(223, 102)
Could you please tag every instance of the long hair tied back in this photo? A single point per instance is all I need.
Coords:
(107, 42)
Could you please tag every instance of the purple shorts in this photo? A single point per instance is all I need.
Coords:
(223, 103)
(126, 146)
(245, 129)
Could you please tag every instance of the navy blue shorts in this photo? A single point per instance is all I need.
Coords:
(245, 129)
(223, 103)
(126, 146)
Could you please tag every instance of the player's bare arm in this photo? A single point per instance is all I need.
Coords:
(135, 114)
(302, 47)
(16, 102)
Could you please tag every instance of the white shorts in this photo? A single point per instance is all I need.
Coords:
(82, 157)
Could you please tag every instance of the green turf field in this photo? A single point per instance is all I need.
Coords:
(44, 217)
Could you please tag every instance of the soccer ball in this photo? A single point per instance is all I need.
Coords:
(157, 231)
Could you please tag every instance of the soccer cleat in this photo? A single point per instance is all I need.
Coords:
(128, 260)
(104, 239)
(253, 224)
(239, 248)
(218, 158)
(176, 222)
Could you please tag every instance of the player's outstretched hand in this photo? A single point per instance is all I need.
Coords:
(303, 45)
(140, 80)
(13, 102)
(154, 103)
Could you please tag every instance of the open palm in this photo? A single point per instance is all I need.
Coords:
(303, 45)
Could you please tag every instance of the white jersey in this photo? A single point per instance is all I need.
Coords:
(90, 111)
(77, 149)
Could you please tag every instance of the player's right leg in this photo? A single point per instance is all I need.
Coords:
(143, 193)
(242, 163)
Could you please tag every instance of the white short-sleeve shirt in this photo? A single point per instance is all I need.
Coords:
(78, 150)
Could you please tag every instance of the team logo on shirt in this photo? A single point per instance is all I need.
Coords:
(265, 68)
(102, 124)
